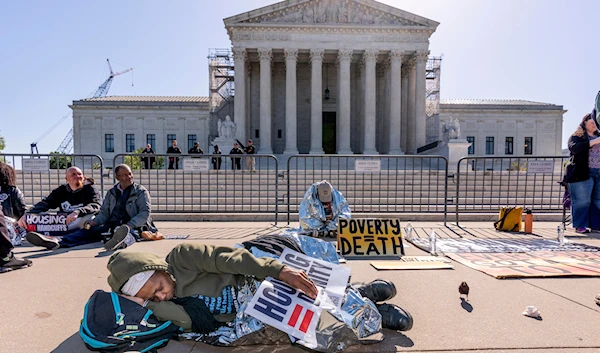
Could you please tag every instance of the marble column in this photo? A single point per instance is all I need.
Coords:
(239, 113)
(411, 98)
(395, 115)
(420, 100)
(370, 127)
(343, 126)
(404, 125)
(291, 122)
(316, 101)
(265, 55)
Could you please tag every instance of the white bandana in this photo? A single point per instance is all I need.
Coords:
(136, 282)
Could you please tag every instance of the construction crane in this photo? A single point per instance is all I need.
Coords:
(66, 145)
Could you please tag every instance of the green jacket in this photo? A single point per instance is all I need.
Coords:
(198, 269)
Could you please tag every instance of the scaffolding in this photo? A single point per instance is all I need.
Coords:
(221, 86)
(432, 105)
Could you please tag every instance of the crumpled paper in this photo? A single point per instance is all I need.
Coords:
(312, 214)
(532, 311)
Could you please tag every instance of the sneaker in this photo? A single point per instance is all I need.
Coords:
(11, 262)
(394, 317)
(597, 299)
(582, 230)
(40, 240)
(378, 290)
(118, 238)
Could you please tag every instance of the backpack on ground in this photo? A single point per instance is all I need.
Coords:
(115, 324)
(510, 219)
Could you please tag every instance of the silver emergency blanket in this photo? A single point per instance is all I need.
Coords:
(356, 321)
(313, 247)
(15, 233)
(312, 213)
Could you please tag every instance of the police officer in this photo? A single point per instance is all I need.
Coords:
(196, 149)
(235, 162)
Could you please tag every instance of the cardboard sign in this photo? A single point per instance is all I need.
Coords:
(413, 265)
(332, 278)
(370, 237)
(196, 165)
(533, 264)
(367, 166)
(447, 246)
(47, 224)
(287, 309)
(540, 167)
(35, 165)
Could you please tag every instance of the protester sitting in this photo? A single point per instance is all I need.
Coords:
(8, 261)
(78, 197)
(11, 198)
(198, 271)
(583, 175)
(126, 208)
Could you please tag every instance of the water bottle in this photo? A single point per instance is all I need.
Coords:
(408, 231)
(432, 243)
(560, 235)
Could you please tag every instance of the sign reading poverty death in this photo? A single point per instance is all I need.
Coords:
(370, 237)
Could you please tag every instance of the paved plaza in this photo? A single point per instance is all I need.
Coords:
(43, 305)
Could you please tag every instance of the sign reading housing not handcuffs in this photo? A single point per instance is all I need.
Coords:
(369, 237)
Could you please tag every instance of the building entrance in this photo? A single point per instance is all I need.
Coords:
(329, 142)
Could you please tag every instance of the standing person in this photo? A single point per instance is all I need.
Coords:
(583, 176)
(235, 162)
(148, 161)
(174, 150)
(11, 198)
(196, 149)
(250, 149)
(126, 208)
(216, 161)
(8, 261)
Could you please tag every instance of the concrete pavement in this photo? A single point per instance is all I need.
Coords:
(43, 305)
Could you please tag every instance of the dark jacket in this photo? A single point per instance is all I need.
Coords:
(578, 168)
(82, 201)
(12, 202)
(174, 150)
(236, 151)
(195, 150)
(137, 206)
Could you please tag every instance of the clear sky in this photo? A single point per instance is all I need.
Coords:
(54, 52)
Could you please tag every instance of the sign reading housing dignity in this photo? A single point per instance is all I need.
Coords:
(370, 237)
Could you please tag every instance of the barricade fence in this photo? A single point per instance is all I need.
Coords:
(39, 174)
(373, 183)
(376, 184)
(206, 183)
(485, 184)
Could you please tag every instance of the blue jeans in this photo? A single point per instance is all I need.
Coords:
(585, 201)
(84, 236)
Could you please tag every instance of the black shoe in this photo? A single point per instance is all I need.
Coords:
(13, 263)
(378, 291)
(394, 317)
(39, 240)
(118, 238)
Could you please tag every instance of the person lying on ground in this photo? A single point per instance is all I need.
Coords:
(124, 214)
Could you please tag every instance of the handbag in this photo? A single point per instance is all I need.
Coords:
(510, 219)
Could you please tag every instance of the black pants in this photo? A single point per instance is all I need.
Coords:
(216, 163)
(236, 163)
(173, 161)
(84, 236)
(5, 244)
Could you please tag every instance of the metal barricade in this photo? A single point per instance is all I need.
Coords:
(485, 184)
(39, 174)
(198, 185)
(377, 184)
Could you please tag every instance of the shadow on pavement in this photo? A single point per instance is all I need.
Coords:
(466, 305)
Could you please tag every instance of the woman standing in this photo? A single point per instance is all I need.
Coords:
(583, 176)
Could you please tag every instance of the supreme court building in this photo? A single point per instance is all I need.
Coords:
(317, 76)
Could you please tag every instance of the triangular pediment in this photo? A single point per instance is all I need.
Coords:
(331, 12)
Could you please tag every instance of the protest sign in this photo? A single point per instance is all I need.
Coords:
(47, 224)
(447, 246)
(330, 277)
(287, 309)
(370, 237)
